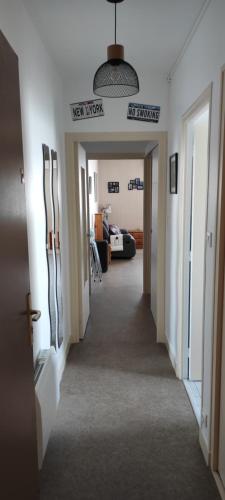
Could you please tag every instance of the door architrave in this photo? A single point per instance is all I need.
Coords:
(72, 140)
(183, 264)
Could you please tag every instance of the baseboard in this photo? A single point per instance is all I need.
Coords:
(204, 447)
(62, 363)
(172, 355)
(219, 485)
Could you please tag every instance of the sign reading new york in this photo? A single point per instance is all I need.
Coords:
(87, 109)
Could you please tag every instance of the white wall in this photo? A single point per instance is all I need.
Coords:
(41, 103)
(93, 204)
(200, 65)
(127, 206)
(153, 90)
(154, 239)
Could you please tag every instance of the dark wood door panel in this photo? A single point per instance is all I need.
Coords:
(18, 449)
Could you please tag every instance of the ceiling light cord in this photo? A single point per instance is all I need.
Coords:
(115, 23)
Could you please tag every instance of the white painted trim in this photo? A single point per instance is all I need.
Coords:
(219, 485)
(62, 364)
(189, 39)
(198, 105)
(204, 447)
(172, 355)
(73, 231)
(72, 141)
(147, 223)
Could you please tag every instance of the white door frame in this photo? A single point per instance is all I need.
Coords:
(183, 248)
(72, 140)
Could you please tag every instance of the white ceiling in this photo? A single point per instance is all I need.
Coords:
(110, 148)
(77, 32)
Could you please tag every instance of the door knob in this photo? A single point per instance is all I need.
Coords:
(35, 314)
(32, 315)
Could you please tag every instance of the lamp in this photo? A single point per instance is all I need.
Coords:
(116, 77)
(106, 211)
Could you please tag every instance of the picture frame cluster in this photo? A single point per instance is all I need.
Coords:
(136, 184)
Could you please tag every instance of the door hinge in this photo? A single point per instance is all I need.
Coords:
(22, 179)
(204, 420)
(209, 238)
(190, 256)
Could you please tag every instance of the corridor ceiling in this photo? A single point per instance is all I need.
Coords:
(77, 32)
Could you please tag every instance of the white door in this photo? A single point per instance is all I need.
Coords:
(84, 241)
(198, 244)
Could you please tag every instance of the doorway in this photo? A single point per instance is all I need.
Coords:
(129, 139)
(116, 211)
(197, 160)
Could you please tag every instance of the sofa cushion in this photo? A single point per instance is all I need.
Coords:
(114, 229)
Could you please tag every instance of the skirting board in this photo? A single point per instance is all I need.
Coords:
(219, 485)
(171, 355)
(204, 447)
(64, 358)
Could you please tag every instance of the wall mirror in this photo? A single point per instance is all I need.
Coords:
(55, 193)
(52, 241)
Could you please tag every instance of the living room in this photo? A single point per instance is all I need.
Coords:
(116, 190)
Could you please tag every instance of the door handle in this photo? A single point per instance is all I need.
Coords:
(33, 315)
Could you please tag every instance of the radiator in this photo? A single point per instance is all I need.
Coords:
(47, 397)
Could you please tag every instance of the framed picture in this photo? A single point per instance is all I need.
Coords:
(113, 187)
(140, 188)
(130, 186)
(173, 173)
(137, 181)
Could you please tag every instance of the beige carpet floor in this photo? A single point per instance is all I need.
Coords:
(125, 428)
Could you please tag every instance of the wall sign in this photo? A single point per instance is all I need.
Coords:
(87, 109)
(143, 112)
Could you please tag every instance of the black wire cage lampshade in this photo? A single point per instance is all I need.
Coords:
(116, 77)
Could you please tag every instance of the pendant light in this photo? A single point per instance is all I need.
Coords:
(116, 77)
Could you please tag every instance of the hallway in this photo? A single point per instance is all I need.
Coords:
(125, 429)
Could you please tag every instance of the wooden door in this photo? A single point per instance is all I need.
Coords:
(18, 448)
(221, 457)
(84, 240)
